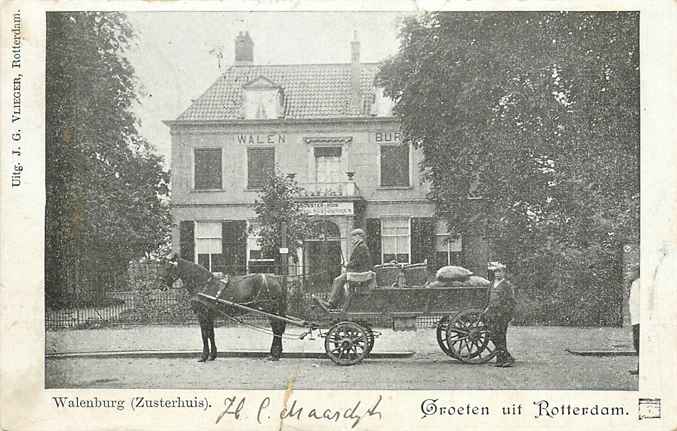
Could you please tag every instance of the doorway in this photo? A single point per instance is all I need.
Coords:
(323, 250)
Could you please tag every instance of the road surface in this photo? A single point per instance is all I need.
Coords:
(542, 362)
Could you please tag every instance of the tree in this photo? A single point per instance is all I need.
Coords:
(538, 113)
(277, 203)
(105, 186)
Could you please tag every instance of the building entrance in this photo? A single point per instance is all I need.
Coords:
(323, 250)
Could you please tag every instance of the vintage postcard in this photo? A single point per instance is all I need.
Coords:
(311, 215)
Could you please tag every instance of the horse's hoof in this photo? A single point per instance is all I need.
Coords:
(272, 358)
(202, 359)
(211, 358)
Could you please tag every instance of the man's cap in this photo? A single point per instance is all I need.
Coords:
(493, 266)
(359, 232)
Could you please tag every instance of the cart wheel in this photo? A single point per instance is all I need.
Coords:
(347, 343)
(370, 337)
(442, 327)
(468, 338)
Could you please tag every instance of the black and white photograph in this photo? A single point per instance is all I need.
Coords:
(355, 203)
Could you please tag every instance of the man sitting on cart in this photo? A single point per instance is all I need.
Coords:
(499, 313)
(359, 262)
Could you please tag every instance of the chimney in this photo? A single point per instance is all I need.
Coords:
(244, 49)
(355, 94)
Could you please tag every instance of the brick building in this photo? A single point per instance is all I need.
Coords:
(329, 126)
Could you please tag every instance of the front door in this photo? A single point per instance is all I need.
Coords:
(323, 257)
(322, 251)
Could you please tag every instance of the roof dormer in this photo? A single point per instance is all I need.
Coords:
(263, 100)
(382, 105)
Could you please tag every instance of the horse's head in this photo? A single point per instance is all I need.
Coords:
(168, 270)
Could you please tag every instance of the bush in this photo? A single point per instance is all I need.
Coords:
(573, 287)
(153, 301)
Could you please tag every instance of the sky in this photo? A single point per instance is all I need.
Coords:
(174, 65)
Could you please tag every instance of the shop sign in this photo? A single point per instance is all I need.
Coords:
(387, 137)
(268, 138)
(329, 208)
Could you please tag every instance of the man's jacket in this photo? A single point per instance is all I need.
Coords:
(360, 259)
(502, 298)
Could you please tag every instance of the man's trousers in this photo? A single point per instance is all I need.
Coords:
(497, 324)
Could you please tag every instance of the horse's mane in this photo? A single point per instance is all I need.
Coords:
(193, 274)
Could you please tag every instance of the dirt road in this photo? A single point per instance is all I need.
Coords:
(542, 363)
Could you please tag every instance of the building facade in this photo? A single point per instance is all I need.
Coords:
(329, 127)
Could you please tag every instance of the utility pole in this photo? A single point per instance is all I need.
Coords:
(284, 267)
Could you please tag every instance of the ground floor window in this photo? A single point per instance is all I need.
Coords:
(208, 246)
(447, 248)
(257, 261)
(395, 239)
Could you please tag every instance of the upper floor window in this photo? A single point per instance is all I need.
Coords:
(395, 165)
(328, 164)
(260, 164)
(207, 168)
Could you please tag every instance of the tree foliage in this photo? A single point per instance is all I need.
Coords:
(105, 186)
(277, 203)
(538, 113)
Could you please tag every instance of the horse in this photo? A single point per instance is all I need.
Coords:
(259, 291)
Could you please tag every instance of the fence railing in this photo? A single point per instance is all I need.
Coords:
(147, 301)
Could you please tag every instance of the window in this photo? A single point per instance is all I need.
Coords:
(447, 250)
(260, 164)
(395, 165)
(328, 164)
(207, 168)
(263, 99)
(209, 246)
(253, 247)
(395, 239)
(256, 260)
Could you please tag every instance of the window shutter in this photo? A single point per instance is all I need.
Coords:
(208, 168)
(234, 246)
(374, 239)
(395, 165)
(260, 164)
(422, 239)
(187, 240)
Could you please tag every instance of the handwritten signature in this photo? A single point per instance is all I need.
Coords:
(236, 406)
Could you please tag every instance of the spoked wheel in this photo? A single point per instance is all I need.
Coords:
(347, 343)
(371, 338)
(442, 327)
(468, 338)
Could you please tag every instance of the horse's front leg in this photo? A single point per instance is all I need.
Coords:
(204, 331)
(278, 327)
(212, 340)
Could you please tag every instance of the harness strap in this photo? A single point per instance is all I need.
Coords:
(218, 294)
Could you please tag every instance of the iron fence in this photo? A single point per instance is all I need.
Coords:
(146, 302)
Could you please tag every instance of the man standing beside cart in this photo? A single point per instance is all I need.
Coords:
(499, 312)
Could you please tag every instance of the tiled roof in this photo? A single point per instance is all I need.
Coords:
(310, 91)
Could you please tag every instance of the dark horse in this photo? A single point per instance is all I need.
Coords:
(259, 291)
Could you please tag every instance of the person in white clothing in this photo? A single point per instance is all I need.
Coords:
(633, 305)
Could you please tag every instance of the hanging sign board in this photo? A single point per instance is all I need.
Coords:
(329, 208)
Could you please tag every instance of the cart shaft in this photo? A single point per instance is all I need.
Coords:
(289, 319)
